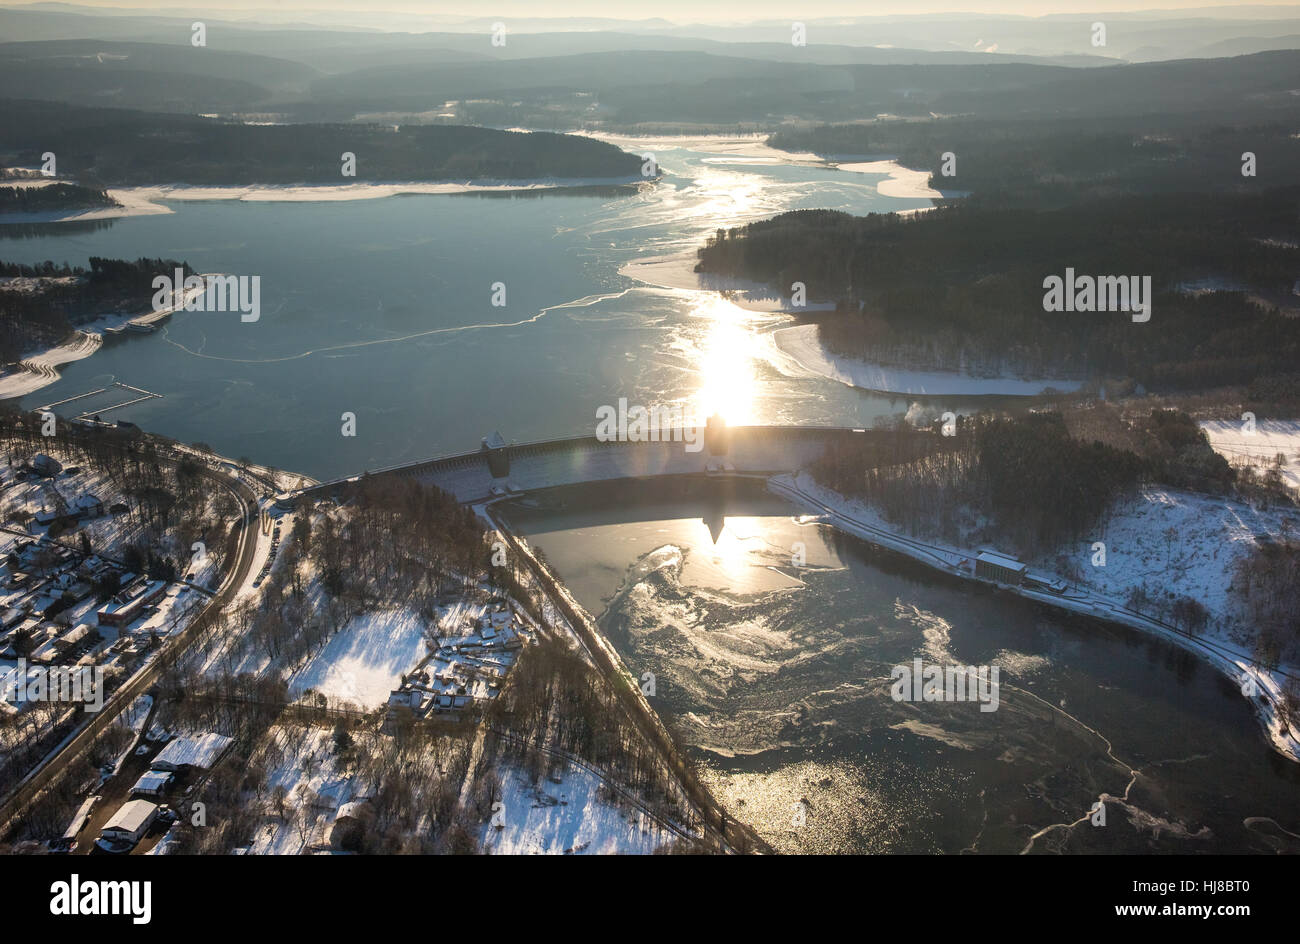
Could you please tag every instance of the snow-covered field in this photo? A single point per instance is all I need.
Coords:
(567, 818)
(302, 763)
(363, 662)
(1184, 543)
(801, 343)
(1259, 448)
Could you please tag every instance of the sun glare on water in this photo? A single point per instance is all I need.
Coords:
(726, 366)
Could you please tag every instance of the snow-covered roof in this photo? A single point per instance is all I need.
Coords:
(999, 560)
(74, 636)
(199, 752)
(131, 815)
(354, 808)
(152, 781)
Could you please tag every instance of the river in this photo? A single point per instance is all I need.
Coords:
(771, 653)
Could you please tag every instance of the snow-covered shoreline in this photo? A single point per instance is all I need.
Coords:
(152, 200)
(130, 203)
(677, 271)
(900, 182)
(801, 343)
(41, 368)
(853, 517)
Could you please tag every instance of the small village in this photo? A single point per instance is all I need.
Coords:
(465, 669)
(60, 602)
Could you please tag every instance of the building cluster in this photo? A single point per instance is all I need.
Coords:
(49, 613)
(61, 606)
(57, 506)
(175, 767)
(463, 669)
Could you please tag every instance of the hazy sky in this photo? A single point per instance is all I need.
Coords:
(680, 10)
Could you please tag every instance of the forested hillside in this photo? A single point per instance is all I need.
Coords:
(40, 304)
(124, 148)
(962, 287)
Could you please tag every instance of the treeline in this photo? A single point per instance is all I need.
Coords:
(1038, 483)
(1268, 587)
(133, 148)
(1055, 162)
(58, 196)
(170, 503)
(397, 531)
(42, 315)
(962, 287)
(1276, 395)
(555, 703)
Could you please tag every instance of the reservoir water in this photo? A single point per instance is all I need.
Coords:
(383, 308)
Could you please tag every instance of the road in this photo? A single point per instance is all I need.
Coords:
(77, 743)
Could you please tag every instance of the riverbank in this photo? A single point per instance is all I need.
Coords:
(1262, 689)
(897, 181)
(677, 271)
(900, 181)
(801, 343)
(152, 201)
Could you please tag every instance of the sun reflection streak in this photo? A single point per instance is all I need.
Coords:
(727, 367)
(740, 547)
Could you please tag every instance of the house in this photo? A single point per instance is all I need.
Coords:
(44, 606)
(127, 606)
(994, 566)
(350, 825)
(77, 592)
(42, 464)
(404, 698)
(74, 637)
(45, 652)
(201, 752)
(130, 822)
(87, 506)
(153, 782)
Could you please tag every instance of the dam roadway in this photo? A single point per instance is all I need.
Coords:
(495, 471)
